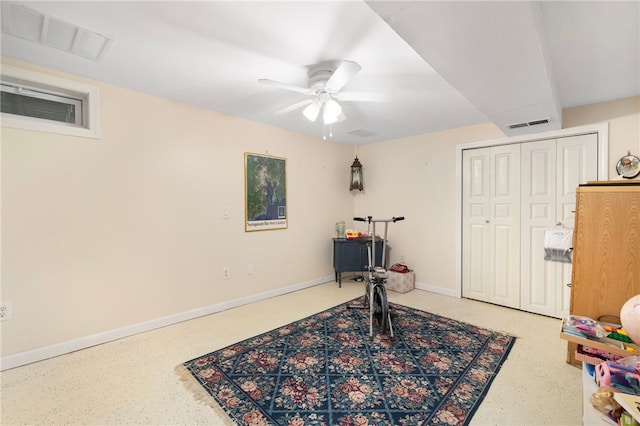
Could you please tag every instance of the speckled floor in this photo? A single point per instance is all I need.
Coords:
(132, 380)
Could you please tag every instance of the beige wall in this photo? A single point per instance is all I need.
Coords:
(101, 234)
(415, 177)
(623, 116)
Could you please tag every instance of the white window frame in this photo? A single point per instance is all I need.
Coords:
(90, 95)
(77, 100)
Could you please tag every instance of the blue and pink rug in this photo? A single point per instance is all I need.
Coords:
(325, 370)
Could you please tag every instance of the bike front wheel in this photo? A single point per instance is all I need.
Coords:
(380, 308)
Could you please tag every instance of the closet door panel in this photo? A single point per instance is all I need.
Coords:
(491, 225)
(578, 156)
(577, 165)
(477, 286)
(476, 213)
(505, 226)
(504, 264)
(511, 195)
(538, 197)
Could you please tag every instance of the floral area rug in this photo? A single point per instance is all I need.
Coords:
(326, 370)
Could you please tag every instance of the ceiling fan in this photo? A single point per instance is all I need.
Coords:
(325, 84)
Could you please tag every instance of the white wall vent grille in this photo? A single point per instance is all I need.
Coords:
(361, 132)
(528, 123)
(30, 24)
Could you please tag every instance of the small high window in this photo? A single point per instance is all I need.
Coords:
(45, 103)
(22, 100)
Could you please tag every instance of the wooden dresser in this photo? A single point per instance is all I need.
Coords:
(606, 251)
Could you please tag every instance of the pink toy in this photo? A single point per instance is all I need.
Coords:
(620, 376)
(600, 354)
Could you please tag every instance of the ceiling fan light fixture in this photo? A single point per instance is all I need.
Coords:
(324, 86)
(312, 111)
(331, 111)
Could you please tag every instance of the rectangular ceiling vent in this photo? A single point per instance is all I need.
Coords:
(362, 133)
(528, 123)
(536, 122)
(31, 24)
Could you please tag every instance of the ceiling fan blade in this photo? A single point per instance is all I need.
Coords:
(341, 76)
(362, 96)
(294, 107)
(285, 86)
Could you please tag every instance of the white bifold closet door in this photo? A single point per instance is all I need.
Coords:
(491, 225)
(510, 195)
(551, 172)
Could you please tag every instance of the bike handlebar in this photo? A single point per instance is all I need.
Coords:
(371, 219)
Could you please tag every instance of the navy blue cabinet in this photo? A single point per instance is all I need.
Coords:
(351, 256)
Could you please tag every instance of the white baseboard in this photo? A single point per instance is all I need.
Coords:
(436, 289)
(39, 354)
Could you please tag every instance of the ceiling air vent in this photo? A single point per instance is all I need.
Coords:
(362, 133)
(536, 122)
(517, 126)
(528, 123)
(30, 24)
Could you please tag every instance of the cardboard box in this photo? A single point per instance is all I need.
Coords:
(401, 282)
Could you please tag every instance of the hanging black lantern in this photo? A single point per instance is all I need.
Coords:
(356, 175)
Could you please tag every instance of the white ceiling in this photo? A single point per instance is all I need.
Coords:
(443, 64)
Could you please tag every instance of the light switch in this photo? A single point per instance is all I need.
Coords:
(226, 212)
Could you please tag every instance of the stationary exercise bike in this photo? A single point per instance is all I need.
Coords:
(375, 292)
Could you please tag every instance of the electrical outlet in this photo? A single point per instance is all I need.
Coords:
(226, 272)
(5, 311)
(250, 269)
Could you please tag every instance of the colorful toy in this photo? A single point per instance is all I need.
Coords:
(580, 325)
(352, 234)
(619, 336)
(623, 378)
(603, 401)
(600, 354)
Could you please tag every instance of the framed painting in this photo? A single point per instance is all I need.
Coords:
(265, 192)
